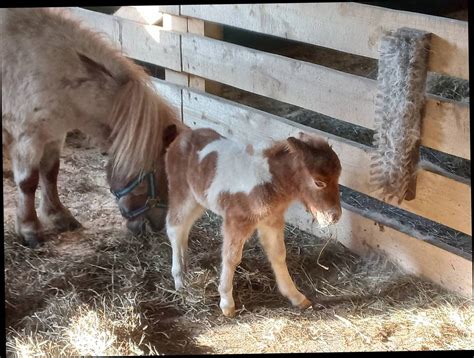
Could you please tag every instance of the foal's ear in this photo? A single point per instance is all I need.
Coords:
(296, 145)
(303, 136)
(169, 135)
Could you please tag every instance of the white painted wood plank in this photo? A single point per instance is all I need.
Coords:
(318, 88)
(415, 256)
(438, 198)
(349, 27)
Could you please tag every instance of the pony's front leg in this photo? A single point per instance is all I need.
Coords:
(51, 207)
(26, 174)
(271, 236)
(235, 235)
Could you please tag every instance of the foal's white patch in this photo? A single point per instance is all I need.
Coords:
(236, 170)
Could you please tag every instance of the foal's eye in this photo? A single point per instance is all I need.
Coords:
(320, 184)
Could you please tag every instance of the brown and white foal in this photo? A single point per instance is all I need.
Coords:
(251, 187)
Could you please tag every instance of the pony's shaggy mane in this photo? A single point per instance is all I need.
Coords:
(137, 112)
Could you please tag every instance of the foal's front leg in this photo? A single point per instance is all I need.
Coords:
(179, 220)
(51, 207)
(235, 234)
(272, 239)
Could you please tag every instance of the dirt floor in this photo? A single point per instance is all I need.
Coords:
(101, 291)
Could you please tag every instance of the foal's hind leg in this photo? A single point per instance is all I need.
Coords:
(51, 207)
(179, 220)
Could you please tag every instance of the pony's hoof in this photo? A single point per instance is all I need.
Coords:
(305, 304)
(228, 311)
(32, 241)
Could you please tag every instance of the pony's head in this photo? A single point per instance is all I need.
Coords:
(318, 179)
(143, 197)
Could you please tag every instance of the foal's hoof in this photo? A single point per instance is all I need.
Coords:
(305, 304)
(178, 284)
(66, 223)
(32, 241)
(228, 311)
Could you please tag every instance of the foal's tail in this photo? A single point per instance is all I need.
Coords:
(137, 120)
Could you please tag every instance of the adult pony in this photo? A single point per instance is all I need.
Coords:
(58, 76)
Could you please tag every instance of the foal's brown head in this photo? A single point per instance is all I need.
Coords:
(143, 197)
(319, 176)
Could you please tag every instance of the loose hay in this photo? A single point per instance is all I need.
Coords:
(100, 291)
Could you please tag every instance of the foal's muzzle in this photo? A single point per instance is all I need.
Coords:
(326, 218)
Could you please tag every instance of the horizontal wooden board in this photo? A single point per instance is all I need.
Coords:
(333, 93)
(149, 15)
(170, 9)
(171, 93)
(449, 206)
(443, 200)
(446, 127)
(97, 21)
(147, 43)
(318, 88)
(151, 44)
(349, 27)
(418, 257)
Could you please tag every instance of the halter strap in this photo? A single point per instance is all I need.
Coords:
(151, 201)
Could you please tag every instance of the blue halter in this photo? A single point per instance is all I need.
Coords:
(151, 201)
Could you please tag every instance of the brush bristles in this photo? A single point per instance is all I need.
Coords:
(399, 101)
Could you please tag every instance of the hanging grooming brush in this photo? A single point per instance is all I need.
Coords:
(399, 102)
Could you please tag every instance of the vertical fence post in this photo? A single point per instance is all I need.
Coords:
(197, 27)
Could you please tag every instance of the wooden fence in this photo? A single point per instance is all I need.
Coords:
(186, 40)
